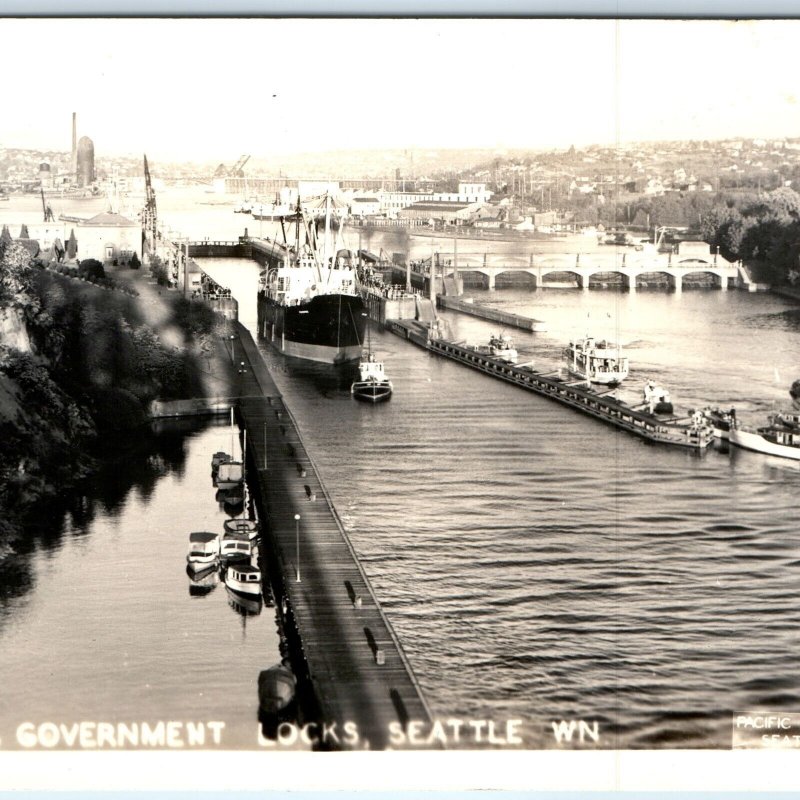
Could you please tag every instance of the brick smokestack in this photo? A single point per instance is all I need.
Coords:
(74, 141)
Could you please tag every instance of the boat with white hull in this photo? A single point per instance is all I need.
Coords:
(242, 526)
(372, 385)
(772, 440)
(203, 550)
(597, 361)
(244, 579)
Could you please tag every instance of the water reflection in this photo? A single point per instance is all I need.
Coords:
(326, 380)
(245, 606)
(130, 466)
(203, 582)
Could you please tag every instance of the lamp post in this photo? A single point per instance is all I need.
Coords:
(297, 544)
(232, 338)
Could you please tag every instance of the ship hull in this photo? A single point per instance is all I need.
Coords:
(328, 328)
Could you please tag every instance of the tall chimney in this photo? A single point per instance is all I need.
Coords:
(74, 142)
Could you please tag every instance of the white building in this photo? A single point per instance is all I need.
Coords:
(109, 237)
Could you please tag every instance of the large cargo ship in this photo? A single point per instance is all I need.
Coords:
(310, 305)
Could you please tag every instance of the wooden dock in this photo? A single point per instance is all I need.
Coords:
(355, 664)
(695, 433)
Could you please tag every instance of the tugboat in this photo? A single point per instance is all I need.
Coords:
(600, 362)
(310, 306)
(372, 386)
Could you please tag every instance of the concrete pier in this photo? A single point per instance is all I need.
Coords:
(491, 314)
(355, 664)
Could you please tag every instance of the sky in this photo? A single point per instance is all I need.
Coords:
(209, 90)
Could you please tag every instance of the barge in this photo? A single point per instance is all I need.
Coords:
(693, 432)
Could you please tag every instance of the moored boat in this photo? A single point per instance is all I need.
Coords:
(600, 362)
(372, 386)
(721, 421)
(771, 439)
(276, 689)
(246, 526)
(248, 605)
(310, 305)
(503, 349)
(203, 550)
(235, 548)
(218, 458)
(657, 399)
(230, 475)
(204, 580)
(244, 579)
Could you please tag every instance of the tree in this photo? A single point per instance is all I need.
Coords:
(23, 232)
(15, 262)
(134, 262)
(91, 269)
(72, 245)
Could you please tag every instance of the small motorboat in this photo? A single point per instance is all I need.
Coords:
(235, 548)
(246, 605)
(502, 348)
(230, 474)
(772, 439)
(218, 458)
(203, 550)
(276, 689)
(657, 399)
(372, 385)
(601, 362)
(499, 347)
(244, 579)
(248, 526)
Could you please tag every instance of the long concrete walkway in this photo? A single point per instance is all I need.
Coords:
(355, 662)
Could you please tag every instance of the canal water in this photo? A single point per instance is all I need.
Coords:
(536, 564)
(99, 620)
(539, 565)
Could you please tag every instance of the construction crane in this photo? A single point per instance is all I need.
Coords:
(46, 210)
(149, 214)
(237, 170)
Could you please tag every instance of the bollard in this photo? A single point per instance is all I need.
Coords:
(380, 657)
(357, 601)
(311, 495)
(301, 470)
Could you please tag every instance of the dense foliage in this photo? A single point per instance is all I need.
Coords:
(764, 228)
(94, 365)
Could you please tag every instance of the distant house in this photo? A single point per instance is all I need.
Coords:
(365, 206)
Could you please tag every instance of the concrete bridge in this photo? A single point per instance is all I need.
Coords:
(630, 268)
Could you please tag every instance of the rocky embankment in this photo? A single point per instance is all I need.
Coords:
(80, 365)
